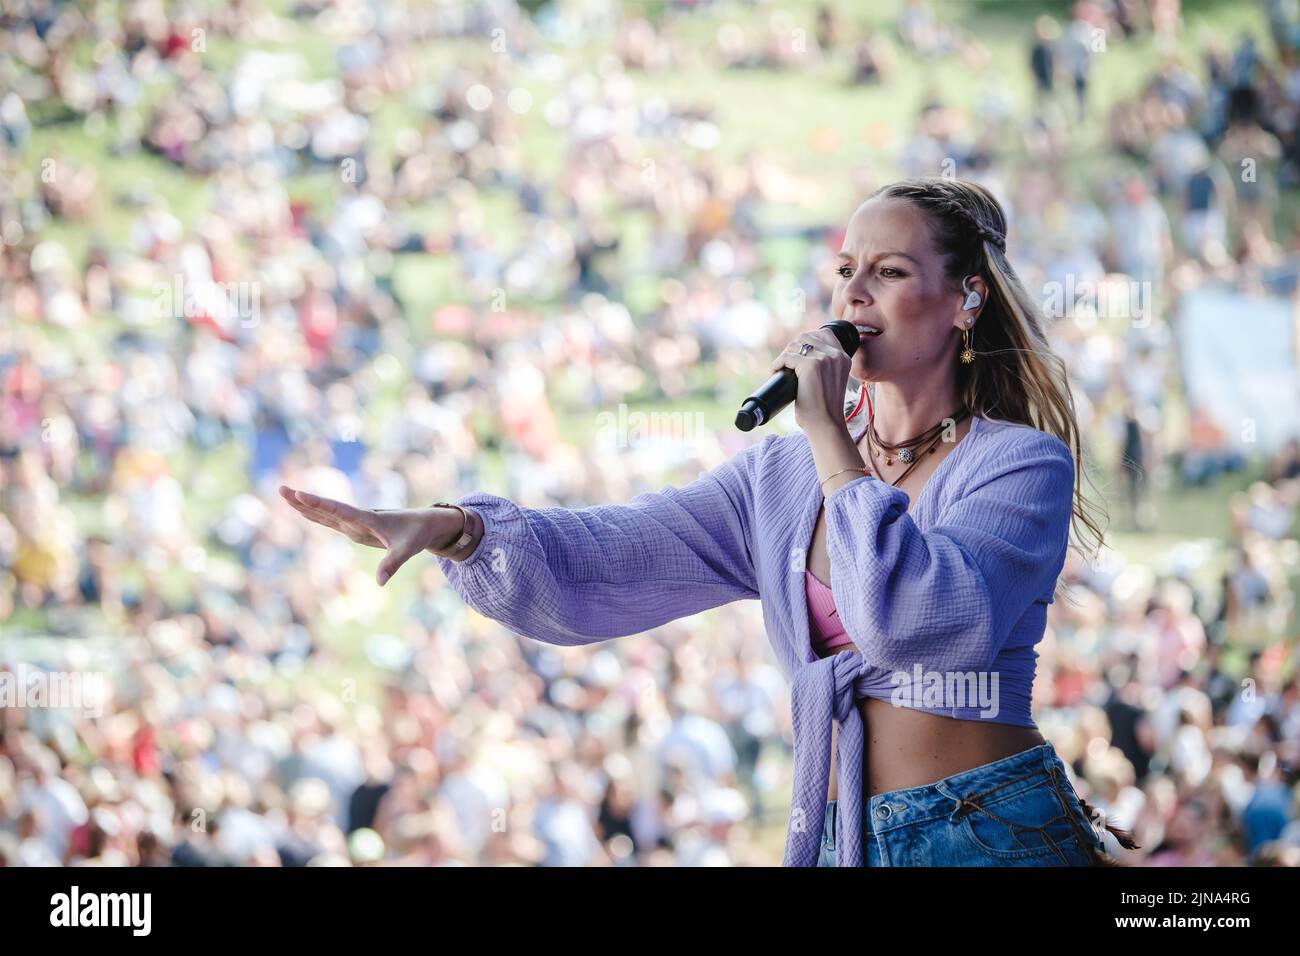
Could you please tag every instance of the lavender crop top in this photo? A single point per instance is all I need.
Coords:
(914, 690)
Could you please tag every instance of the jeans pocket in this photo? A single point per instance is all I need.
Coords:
(1029, 825)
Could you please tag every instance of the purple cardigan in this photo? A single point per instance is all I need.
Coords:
(958, 584)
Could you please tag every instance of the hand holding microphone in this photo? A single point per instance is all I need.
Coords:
(813, 373)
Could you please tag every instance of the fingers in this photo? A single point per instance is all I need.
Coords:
(405, 544)
(824, 341)
(314, 508)
(818, 348)
(310, 505)
(362, 531)
(336, 509)
(312, 514)
(388, 566)
(320, 518)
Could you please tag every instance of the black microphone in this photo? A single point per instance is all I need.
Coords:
(780, 390)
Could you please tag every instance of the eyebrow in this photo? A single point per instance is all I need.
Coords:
(883, 255)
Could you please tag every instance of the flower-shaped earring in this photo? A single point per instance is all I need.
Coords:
(967, 353)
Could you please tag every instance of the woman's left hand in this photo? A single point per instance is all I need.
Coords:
(823, 379)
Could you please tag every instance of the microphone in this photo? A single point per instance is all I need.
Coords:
(780, 390)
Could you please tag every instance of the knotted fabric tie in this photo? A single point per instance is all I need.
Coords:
(823, 690)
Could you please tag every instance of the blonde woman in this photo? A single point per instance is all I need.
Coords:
(904, 557)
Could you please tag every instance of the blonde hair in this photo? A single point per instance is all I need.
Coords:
(1016, 377)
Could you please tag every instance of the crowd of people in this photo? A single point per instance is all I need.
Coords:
(169, 357)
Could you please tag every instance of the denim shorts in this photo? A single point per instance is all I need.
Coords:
(1017, 811)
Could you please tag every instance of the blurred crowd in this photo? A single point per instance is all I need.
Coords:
(168, 358)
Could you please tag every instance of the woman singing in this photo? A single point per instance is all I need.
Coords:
(904, 556)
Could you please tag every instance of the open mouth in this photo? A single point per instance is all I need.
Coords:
(868, 330)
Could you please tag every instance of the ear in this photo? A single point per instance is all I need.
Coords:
(974, 295)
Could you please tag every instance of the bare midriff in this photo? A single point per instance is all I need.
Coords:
(909, 748)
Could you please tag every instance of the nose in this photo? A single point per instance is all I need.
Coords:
(855, 293)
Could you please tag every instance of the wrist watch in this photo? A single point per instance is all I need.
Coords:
(465, 537)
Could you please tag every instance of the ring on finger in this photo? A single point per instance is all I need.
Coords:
(805, 348)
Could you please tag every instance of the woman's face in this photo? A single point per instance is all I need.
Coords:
(890, 277)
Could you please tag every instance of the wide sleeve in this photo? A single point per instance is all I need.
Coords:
(948, 598)
(576, 576)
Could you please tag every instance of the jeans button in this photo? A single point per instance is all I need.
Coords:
(883, 811)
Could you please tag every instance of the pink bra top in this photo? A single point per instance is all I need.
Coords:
(824, 620)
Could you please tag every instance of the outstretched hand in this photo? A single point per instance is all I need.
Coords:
(403, 533)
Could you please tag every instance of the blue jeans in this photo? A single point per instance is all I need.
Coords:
(1017, 811)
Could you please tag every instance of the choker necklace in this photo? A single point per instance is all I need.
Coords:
(906, 455)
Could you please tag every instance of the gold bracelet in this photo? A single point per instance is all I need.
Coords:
(465, 537)
(864, 470)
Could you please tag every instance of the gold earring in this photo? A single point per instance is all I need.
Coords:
(967, 353)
